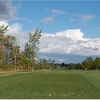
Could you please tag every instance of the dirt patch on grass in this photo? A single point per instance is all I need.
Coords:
(11, 71)
(1, 72)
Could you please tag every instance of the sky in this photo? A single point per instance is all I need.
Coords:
(70, 29)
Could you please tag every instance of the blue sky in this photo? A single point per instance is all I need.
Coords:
(64, 15)
(71, 29)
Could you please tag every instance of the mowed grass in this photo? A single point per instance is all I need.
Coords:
(47, 84)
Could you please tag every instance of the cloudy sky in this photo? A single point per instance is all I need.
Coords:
(71, 29)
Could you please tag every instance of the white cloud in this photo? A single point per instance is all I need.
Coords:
(84, 17)
(87, 17)
(98, 28)
(24, 19)
(74, 34)
(61, 60)
(56, 12)
(7, 10)
(47, 19)
(72, 19)
(70, 41)
(3, 22)
(51, 19)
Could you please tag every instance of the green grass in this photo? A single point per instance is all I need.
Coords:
(47, 84)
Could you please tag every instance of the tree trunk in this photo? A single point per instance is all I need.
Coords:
(97, 69)
(32, 69)
(85, 68)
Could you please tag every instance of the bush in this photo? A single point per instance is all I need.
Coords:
(4, 66)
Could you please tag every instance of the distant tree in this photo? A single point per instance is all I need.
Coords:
(97, 63)
(44, 63)
(85, 64)
(78, 66)
(52, 64)
(73, 66)
(62, 65)
(90, 60)
(47, 64)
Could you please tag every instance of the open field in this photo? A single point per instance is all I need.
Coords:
(47, 84)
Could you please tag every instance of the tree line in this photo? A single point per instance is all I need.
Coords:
(87, 64)
(11, 58)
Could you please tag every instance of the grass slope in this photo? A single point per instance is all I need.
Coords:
(56, 84)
